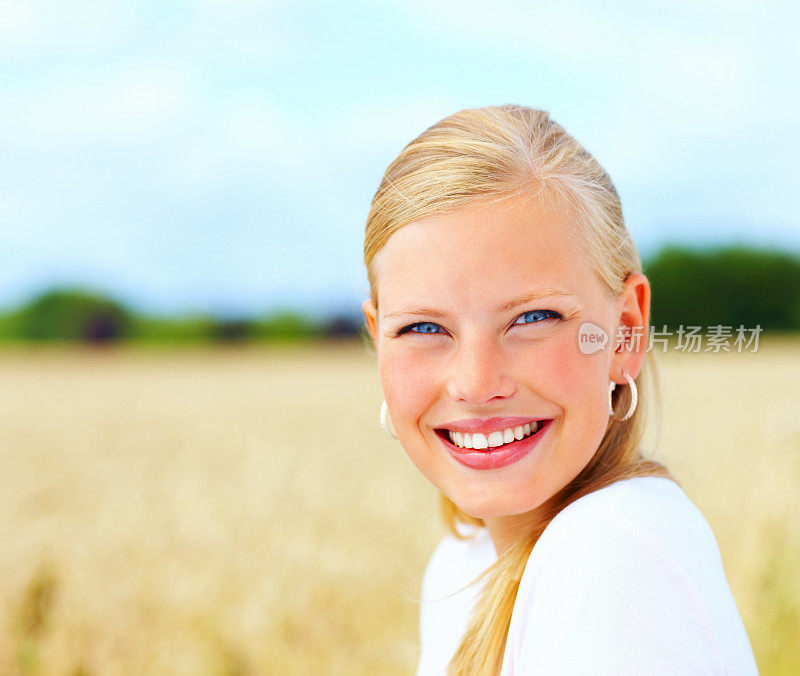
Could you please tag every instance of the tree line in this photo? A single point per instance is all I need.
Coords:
(731, 286)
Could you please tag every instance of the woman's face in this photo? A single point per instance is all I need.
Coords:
(480, 311)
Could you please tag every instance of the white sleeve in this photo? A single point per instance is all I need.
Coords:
(424, 599)
(615, 601)
(428, 654)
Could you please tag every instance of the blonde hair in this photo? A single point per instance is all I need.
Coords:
(482, 155)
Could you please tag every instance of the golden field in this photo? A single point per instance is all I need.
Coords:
(240, 511)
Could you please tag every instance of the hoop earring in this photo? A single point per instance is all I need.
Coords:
(386, 421)
(634, 398)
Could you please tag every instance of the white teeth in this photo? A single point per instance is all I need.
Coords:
(494, 439)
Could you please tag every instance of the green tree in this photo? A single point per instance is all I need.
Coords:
(73, 314)
(732, 285)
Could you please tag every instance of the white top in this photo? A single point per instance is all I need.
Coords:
(625, 580)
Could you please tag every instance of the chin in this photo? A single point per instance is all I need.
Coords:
(491, 504)
(484, 506)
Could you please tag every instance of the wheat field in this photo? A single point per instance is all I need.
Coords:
(240, 511)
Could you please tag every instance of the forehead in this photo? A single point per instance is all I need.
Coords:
(481, 254)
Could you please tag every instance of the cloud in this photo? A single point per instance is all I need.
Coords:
(125, 107)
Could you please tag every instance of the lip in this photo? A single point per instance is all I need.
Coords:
(501, 455)
(488, 425)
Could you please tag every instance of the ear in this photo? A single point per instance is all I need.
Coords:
(633, 336)
(371, 315)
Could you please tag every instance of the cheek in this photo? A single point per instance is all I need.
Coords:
(564, 367)
(566, 371)
(407, 384)
(579, 386)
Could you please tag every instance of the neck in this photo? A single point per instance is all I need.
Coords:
(507, 530)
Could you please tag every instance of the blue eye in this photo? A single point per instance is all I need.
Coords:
(411, 327)
(539, 315)
(535, 316)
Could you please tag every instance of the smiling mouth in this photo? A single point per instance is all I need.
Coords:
(495, 441)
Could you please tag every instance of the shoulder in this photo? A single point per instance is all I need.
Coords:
(455, 562)
(654, 509)
(622, 603)
(447, 599)
(646, 499)
(633, 529)
(629, 577)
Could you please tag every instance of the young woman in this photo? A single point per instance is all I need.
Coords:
(501, 275)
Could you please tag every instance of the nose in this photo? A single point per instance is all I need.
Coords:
(480, 372)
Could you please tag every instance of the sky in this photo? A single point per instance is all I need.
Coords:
(221, 156)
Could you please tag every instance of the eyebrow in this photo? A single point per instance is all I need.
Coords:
(505, 307)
